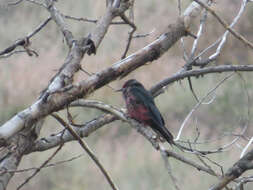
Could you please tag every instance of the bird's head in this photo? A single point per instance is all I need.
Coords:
(131, 83)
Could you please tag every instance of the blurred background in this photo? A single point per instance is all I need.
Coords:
(130, 159)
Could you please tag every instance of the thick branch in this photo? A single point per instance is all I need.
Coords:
(57, 17)
(242, 165)
(64, 136)
(11, 155)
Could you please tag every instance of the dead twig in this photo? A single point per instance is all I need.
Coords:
(242, 165)
(46, 166)
(225, 25)
(158, 88)
(168, 166)
(14, 3)
(130, 36)
(198, 104)
(190, 163)
(87, 149)
(42, 166)
(89, 20)
(25, 42)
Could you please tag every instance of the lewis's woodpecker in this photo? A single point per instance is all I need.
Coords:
(141, 107)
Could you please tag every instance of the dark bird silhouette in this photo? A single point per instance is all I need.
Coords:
(141, 107)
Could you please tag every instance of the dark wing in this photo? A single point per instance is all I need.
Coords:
(144, 97)
(156, 120)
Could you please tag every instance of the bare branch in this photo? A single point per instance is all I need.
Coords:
(88, 150)
(190, 163)
(200, 31)
(25, 42)
(225, 25)
(58, 19)
(221, 42)
(157, 89)
(168, 166)
(37, 3)
(84, 131)
(12, 53)
(199, 103)
(242, 165)
(46, 166)
(143, 35)
(89, 20)
(246, 147)
(130, 37)
(14, 3)
(42, 166)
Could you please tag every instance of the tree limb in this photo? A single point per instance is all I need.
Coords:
(87, 150)
(225, 25)
(242, 165)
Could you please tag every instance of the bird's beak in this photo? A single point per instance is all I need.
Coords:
(119, 90)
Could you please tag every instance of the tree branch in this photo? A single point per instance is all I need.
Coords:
(157, 89)
(242, 165)
(84, 131)
(225, 25)
(189, 162)
(87, 149)
(25, 42)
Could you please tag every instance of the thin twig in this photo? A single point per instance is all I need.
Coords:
(198, 104)
(222, 39)
(25, 41)
(89, 20)
(225, 25)
(200, 31)
(37, 3)
(11, 53)
(143, 35)
(246, 147)
(185, 56)
(42, 166)
(192, 90)
(191, 163)
(130, 36)
(189, 63)
(87, 149)
(168, 166)
(179, 7)
(46, 166)
(14, 3)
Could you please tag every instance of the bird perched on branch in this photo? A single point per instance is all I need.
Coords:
(141, 107)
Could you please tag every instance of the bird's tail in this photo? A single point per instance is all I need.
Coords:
(166, 135)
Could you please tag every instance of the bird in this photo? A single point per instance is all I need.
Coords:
(141, 107)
